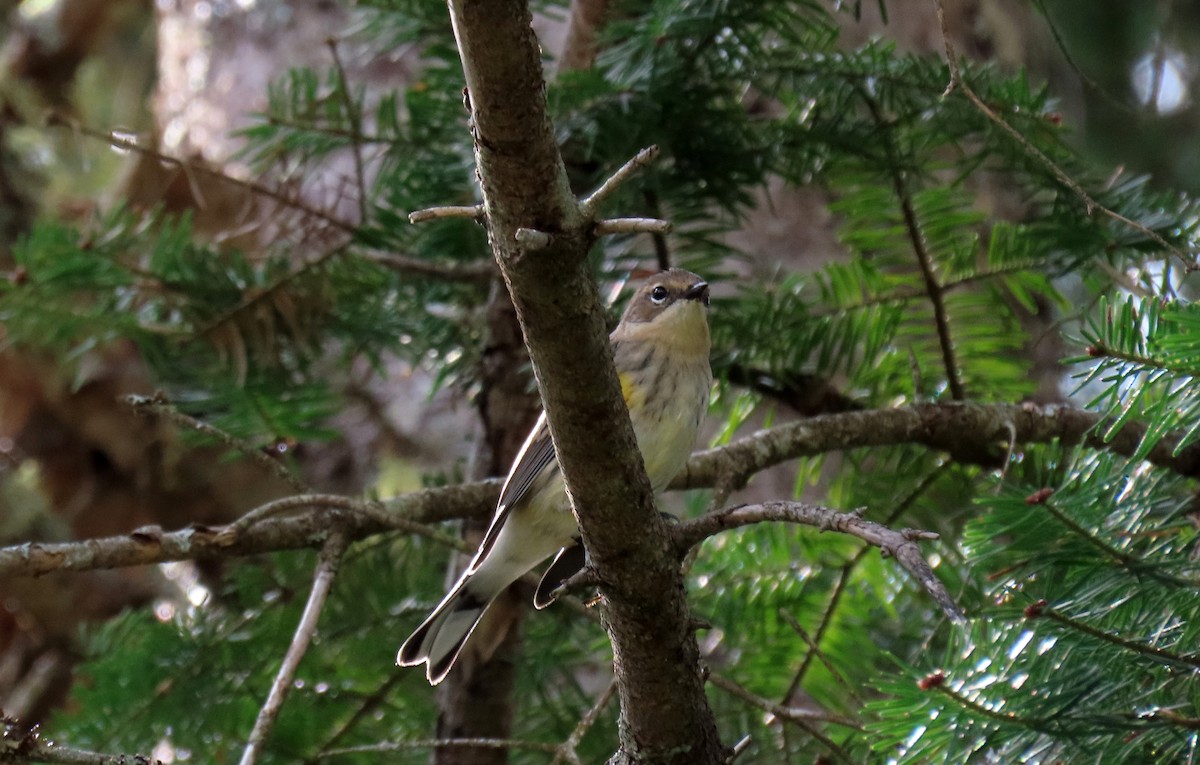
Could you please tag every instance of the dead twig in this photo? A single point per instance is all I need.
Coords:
(899, 544)
(327, 567)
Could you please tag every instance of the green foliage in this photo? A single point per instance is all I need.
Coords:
(934, 289)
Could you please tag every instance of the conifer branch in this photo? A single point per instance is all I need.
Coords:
(802, 718)
(958, 82)
(958, 428)
(933, 288)
(328, 562)
(972, 433)
(158, 406)
(20, 744)
(255, 297)
(304, 530)
(355, 118)
(1130, 561)
(902, 294)
(937, 682)
(835, 597)
(901, 545)
(789, 713)
(567, 749)
(55, 119)
(1041, 610)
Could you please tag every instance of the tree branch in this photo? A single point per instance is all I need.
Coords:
(19, 744)
(916, 236)
(327, 566)
(973, 433)
(579, 51)
(901, 545)
(147, 546)
(957, 82)
(961, 429)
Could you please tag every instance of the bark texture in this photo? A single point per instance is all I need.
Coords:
(665, 717)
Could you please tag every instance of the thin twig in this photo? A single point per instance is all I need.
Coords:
(916, 236)
(368, 705)
(815, 650)
(847, 570)
(567, 749)
(631, 226)
(257, 296)
(591, 202)
(789, 713)
(957, 82)
(441, 743)
(1162, 654)
(481, 271)
(901, 544)
(160, 407)
(355, 118)
(55, 119)
(474, 212)
(327, 565)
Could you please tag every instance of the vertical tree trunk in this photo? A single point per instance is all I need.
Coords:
(476, 699)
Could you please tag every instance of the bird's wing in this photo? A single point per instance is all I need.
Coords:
(536, 454)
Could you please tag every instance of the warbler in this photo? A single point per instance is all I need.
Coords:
(660, 349)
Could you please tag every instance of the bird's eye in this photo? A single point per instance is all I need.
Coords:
(658, 295)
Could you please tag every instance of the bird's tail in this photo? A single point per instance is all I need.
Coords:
(441, 637)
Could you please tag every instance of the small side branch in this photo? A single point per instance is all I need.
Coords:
(593, 201)
(631, 226)
(474, 212)
(327, 566)
(1041, 610)
(567, 750)
(901, 544)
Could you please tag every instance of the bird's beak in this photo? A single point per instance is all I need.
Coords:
(698, 291)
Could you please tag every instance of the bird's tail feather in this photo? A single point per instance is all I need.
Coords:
(442, 635)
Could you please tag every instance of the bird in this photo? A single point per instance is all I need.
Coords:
(661, 353)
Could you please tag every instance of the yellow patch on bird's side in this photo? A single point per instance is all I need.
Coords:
(629, 393)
